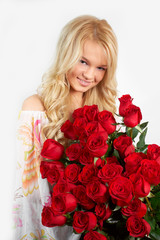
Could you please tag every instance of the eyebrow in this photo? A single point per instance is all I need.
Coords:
(102, 65)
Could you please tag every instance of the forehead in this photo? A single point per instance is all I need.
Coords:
(95, 52)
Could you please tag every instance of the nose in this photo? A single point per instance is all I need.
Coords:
(89, 73)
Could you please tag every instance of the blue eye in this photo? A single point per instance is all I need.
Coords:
(101, 68)
(83, 62)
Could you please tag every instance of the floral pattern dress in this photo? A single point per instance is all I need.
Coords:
(31, 191)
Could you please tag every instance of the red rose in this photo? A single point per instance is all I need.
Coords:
(52, 150)
(141, 186)
(63, 203)
(51, 220)
(97, 145)
(107, 120)
(133, 116)
(125, 102)
(137, 227)
(86, 158)
(150, 170)
(97, 191)
(153, 152)
(73, 151)
(52, 170)
(93, 127)
(68, 130)
(133, 162)
(84, 221)
(93, 235)
(135, 207)
(90, 112)
(112, 159)
(60, 187)
(109, 172)
(71, 173)
(80, 193)
(100, 163)
(121, 191)
(78, 113)
(88, 173)
(79, 125)
(123, 144)
(102, 211)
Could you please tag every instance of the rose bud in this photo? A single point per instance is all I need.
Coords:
(71, 173)
(86, 157)
(88, 173)
(121, 191)
(135, 207)
(78, 113)
(112, 159)
(133, 162)
(102, 211)
(60, 187)
(141, 186)
(49, 219)
(91, 112)
(74, 151)
(97, 191)
(107, 120)
(63, 203)
(52, 150)
(153, 152)
(80, 194)
(96, 144)
(123, 144)
(150, 170)
(137, 227)
(109, 172)
(79, 125)
(94, 235)
(93, 127)
(52, 170)
(100, 163)
(125, 102)
(84, 221)
(133, 116)
(68, 130)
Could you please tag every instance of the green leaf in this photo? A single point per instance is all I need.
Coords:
(116, 153)
(138, 128)
(141, 142)
(155, 234)
(155, 201)
(143, 149)
(151, 221)
(143, 125)
(109, 151)
(132, 131)
(158, 216)
(101, 232)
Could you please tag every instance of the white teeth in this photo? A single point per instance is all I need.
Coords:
(83, 81)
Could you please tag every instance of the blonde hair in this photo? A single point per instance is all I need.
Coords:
(55, 90)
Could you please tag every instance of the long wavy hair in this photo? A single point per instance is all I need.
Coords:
(55, 89)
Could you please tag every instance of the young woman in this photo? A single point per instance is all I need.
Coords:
(83, 73)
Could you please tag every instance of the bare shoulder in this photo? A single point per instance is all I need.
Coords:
(33, 103)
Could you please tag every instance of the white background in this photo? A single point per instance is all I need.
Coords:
(29, 30)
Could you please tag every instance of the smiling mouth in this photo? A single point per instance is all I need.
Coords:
(83, 82)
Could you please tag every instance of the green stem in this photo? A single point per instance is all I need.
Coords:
(131, 132)
(149, 204)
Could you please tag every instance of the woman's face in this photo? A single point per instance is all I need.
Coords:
(90, 69)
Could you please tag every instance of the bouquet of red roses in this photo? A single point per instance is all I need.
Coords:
(106, 182)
